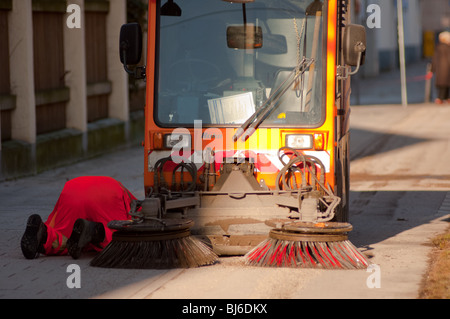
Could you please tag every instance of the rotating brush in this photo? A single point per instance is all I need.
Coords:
(308, 245)
(149, 242)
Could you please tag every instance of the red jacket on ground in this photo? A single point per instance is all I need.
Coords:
(95, 198)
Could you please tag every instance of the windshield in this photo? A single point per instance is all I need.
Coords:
(219, 62)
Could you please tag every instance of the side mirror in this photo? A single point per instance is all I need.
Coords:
(131, 48)
(130, 44)
(354, 45)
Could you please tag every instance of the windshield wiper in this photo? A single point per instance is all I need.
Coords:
(255, 120)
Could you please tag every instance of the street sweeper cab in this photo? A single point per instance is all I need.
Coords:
(247, 116)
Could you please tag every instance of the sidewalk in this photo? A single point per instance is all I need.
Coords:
(386, 87)
(46, 277)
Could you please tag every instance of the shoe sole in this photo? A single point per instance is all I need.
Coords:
(32, 238)
(83, 233)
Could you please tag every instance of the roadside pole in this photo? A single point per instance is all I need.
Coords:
(401, 47)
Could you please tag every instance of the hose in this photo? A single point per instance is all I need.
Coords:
(160, 182)
(291, 167)
(310, 164)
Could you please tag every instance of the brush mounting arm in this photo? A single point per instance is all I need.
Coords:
(156, 207)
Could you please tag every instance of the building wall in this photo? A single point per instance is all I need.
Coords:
(387, 41)
(435, 19)
(67, 97)
(382, 43)
(435, 15)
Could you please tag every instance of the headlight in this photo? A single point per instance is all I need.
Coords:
(299, 142)
(177, 140)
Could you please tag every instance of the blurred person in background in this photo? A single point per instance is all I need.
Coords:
(441, 68)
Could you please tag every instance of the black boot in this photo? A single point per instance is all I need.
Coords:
(83, 233)
(34, 238)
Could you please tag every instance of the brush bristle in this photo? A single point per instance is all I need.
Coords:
(185, 252)
(306, 254)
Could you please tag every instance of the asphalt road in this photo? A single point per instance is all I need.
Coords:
(400, 183)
